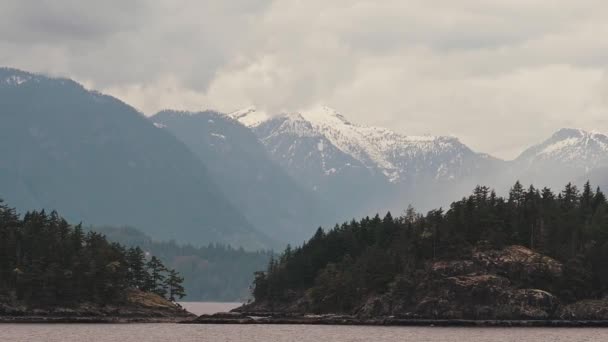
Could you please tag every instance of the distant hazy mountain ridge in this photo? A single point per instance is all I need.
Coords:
(240, 165)
(569, 155)
(571, 145)
(100, 161)
(244, 176)
(397, 156)
(329, 154)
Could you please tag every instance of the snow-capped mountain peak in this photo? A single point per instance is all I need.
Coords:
(393, 154)
(324, 115)
(250, 116)
(566, 156)
(570, 145)
(366, 144)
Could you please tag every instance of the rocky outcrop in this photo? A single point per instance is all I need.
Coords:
(518, 263)
(513, 283)
(586, 310)
(332, 319)
(138, 307)
(296, 303)
(495, 284)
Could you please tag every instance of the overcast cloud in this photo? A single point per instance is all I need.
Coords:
(499, 74)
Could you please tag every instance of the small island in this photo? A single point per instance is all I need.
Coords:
(535, 258)
(52, 272)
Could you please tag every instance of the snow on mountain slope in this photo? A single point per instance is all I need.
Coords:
(298, 146)
(249, 117)
(573, 146)
(351, 139)
(396, 156)
(15, 80)
(569, 155)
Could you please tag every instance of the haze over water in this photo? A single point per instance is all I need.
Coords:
(203, 308)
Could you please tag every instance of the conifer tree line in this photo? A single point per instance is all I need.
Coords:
(340, 266)
(46, 261)
(215, 272)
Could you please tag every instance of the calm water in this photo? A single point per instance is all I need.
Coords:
(200, 308)
(281, 333)
(285, 333)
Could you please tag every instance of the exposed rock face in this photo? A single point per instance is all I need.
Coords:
(519, 262)
(301, 303)
(586, 310)
(453, 268)
(514, 283)
(494, 284)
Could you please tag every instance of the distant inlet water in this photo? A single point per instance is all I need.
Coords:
(202, 308)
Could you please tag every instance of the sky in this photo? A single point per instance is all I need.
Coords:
(500, 75)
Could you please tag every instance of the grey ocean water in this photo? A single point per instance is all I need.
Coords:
(282, 333)
(286, 333)
(201, 308)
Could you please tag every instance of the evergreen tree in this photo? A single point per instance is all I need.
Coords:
(46, 261)
(156, 281)
(174, 286)
(516, 194)
(340, 267)
(138, 274)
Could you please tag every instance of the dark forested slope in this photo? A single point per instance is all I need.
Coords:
(50, 268)
(211, 273)
(98, 160)
(534, 254)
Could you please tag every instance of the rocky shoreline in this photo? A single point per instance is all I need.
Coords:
(513, 286)
(279, 319)
(140, 307)
(87, 320)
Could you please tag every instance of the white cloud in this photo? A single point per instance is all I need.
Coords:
(500, 74)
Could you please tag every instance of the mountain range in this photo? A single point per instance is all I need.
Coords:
(267, 196)
(382, 169)
(100, 161)
(246, 178)
(568, 155)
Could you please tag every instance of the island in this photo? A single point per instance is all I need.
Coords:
(534, 258)
(53, 272)
(137, 307)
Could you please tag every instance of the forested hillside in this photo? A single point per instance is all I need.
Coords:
(211, 273)
(44, 261)
(485, 256)
(97, 160)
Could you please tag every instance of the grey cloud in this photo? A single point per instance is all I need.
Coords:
(61, 21)
(122, 42)
(467, 68)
